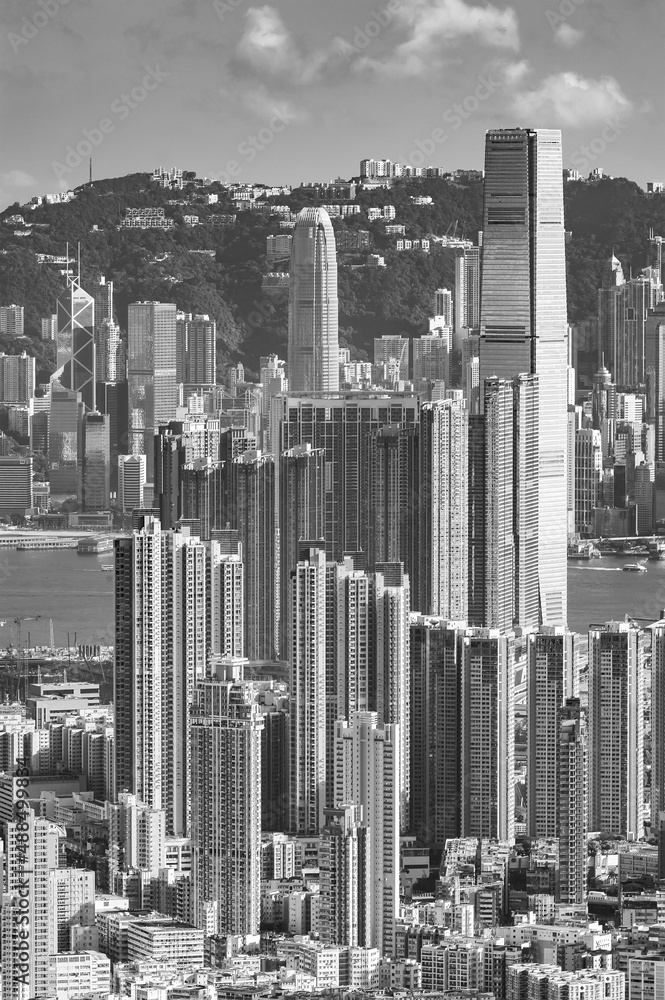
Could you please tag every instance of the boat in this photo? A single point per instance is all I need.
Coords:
(107, 568)
(583, 550)
(656, 548)
(634, 568)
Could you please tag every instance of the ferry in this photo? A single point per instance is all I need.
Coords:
(634, 568)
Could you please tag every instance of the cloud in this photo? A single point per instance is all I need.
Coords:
(18, 178)
(567, 36)
(269, 48)
(572, 100)
(435, 26)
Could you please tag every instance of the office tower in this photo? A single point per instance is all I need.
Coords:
(113, 399)
(443, 502)
(523, 322)
(572, 804)
(307, 691)
(467, 292)
(252, 514)
(107, 343)
(343, 426)
(12, 320)
(392, 351)
(588, 452)
(301, 516)
(431, 359)
(393, 500)
(151, 359)
(96, 463)
(312, 352)
(75, 342)
(616, 728)
(551, 678)
(169, 461)
(31, 852)
(227, 627)
(160, 651)
(435, 730)
(226, 801)
(657, 725)
(196, 357)
(443, 306)
(102, 293)
(655, 361)
(131, 481)
(487, 705)
(16, 490)
(17, 378)
(204, 495)
(65, 433)
(609, 308)
(343, 858)
(367, 774)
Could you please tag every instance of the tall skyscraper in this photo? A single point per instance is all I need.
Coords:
(394, 500)
(160, 652)
(467, 292)
(17, 378)
(431, 359)
(616, 728)
(227, 608)
(572, 804)
(307, 691)
(226, 801)
(657, 723)
(96, 463)
(313, 357)
(344, 887)
(65, 439)
(523, 321)
(131, 481)
(12, 320)
(75, 342)
(588, 477)
(196, 359)
(252, 514)
(301, 516)
(443, 501)
(367, 774)
(151, 348)
(393, 352)
(487, 709)
(552, 677)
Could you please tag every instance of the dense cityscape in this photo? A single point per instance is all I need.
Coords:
(348, 743)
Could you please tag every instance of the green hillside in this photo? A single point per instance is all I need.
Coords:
(604, 217)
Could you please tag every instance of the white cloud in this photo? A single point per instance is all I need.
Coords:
(269, 48)
(572, 100)
(18, 178)
(567, 36)
(435, 26)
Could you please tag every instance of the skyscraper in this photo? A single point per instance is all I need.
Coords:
(394, 500)
(196, 362)
(313, 357)
(572, 804)
(443, 502)
(226, 801)
(344, 885)
(75, 342)
(160, 652)
(523, 321)
(96, 463)
(64, 439)
(17, 378)
(616, 728)
(151, 349)
(657, 722)
(307, 691)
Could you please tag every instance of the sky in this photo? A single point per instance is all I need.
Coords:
(293, 91)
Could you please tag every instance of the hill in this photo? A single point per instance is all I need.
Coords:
(610, 215)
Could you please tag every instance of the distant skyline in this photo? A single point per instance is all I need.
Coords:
(296, 90)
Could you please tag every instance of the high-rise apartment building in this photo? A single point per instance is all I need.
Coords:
(431, 359)
(523, 321)
(307, 692)
(313, 358)
(226, 801)
(160, 652)
(151, 361)
(394, 501)
(12, 320)
(551, 678)
(204, 495)
(466, 300)
(227, 596)
(95, 463)
(196, 357)
(657, 722)
(343, 858)
(393, 351)
(252, 514)
(367, 774)
(616, 728)
(75, 342)
(572, 804)
(487, 707)
(443, 504)
(17, 378)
